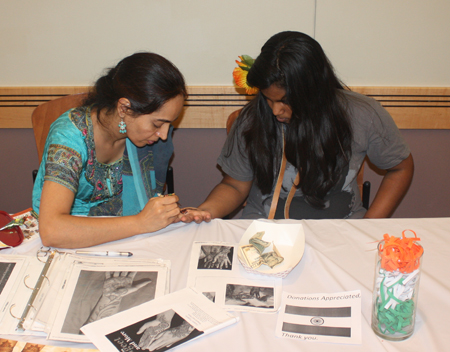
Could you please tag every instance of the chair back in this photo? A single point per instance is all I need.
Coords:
(45, 114)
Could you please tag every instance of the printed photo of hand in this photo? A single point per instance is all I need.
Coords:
(215, 257)
(168, 337)
(116, 286)
(221, 260)
(153, 328)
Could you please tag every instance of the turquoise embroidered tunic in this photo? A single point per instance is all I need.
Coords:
(119, 188)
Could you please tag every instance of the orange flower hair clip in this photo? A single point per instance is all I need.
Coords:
(240, 73)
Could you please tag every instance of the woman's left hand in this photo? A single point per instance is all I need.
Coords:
(196, 215)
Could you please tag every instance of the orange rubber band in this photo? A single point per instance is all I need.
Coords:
(402, 254)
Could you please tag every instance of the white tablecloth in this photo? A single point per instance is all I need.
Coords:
(339, 256)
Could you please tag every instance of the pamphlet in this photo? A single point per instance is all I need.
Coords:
(160, 324)
(30, 225)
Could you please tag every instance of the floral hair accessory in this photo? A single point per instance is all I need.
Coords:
(240, 73)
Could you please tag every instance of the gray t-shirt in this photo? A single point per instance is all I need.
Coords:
(374, 134)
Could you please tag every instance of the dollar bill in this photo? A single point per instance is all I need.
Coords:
(257, 241)
(251, 256)
(272, 259)
(259, 235)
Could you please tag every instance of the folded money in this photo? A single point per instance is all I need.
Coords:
(254, 255)
(256, 240)
(272, 258)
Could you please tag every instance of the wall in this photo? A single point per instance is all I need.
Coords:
(382, 42)
(53, 42)
(387, 42)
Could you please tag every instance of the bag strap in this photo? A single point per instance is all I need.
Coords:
(276, 192)
(290, 196)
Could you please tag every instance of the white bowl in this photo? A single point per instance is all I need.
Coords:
(289, 240)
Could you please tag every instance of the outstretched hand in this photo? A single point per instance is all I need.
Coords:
(120, 284)
(196, 215)
(116, 286)
(170, 336)
(221, 260)
(154, 328)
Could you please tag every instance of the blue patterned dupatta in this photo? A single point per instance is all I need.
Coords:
(144, 173)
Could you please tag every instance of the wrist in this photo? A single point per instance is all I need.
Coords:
(137, 224)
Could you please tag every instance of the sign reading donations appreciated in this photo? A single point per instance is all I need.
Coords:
(321, 317)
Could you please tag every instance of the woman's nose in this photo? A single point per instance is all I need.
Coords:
(163, 132)
(278, 109)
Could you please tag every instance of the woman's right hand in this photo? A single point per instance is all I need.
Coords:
(61, 230)
(159, 212)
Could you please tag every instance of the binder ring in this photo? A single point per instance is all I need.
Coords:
(10, 311)
(42, 253)
(25, 282)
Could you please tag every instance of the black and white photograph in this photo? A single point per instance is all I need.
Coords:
(210, 295)
(215, 257)
(5, 272)
(160, 332)
(251, 296)
(99, 294)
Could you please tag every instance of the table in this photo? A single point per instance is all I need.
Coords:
(339, 256)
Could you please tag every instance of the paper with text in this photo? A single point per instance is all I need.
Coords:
(321, 317)
(160, 324)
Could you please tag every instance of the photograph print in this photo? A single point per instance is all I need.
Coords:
(250, 296)
(6, 270)
(157, 333)
(100, 294)
(215, 257)
(210, 295)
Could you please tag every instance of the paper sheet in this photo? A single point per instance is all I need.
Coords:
(18, 276)
(322, 317)
(73, 291)
(160, 324)
(215, 270)
(93, 290)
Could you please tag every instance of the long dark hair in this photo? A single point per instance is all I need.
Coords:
(318, 136)
(147, 80)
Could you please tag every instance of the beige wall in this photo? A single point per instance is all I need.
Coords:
(387, 42)
(54, 42)
(65, 43)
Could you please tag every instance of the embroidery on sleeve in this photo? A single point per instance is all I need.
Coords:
(63, 166)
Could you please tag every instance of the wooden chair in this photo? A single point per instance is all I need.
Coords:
(45, 114)
(364, 187)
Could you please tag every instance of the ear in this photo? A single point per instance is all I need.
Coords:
(123, 104)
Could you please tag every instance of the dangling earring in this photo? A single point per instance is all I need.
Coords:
(122, 126)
